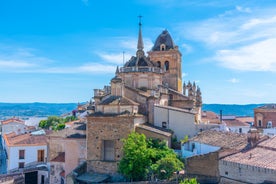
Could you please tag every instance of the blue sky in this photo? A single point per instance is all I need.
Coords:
(59, 51)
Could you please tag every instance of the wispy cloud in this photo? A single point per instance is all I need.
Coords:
(240, 40)
(233, 80)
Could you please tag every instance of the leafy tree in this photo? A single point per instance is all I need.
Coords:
(135, 163)
(57, 123)
(189, 181)
(143, 157)
(166, 166)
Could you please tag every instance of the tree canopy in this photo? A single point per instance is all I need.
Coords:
(145, 157)
(55, 122)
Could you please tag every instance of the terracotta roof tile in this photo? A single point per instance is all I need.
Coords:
(59, 158)
(13, 120)
(222, 139)
(12, 139)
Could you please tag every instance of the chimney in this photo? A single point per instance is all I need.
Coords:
(253, 137)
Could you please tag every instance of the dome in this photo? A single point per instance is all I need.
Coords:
(164, 38)
(138, 61)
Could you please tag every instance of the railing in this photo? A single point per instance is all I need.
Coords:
(28, 166)
(141, 69)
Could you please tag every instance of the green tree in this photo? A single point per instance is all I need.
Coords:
(136, 161)
(55, 122)
(144, 157)
(166, 166)
(189, 181)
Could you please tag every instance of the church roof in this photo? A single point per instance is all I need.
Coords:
(117, 100)
(138, 61)
(163, 38)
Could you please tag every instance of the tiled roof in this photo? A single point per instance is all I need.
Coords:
(155, 129)
(59, 158)
(246, 119)
(235, 122)
(264, 155)
(11, 120)
(12, 139)
(270, 143)
(210, 117)
(222, 139)
(116, 100)
(267, 106)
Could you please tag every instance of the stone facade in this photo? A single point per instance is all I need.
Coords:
(265, 116)
(107, 128)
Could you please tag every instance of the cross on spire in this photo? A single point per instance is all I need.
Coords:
(140, 45)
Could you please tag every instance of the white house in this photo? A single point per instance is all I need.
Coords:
(26, 151)
(210, 141)
(180, 121)
(269, 131)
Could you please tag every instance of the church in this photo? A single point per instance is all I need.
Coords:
(146, 95)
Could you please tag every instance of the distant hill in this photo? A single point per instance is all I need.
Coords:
(49, 109)
(35, 109)
(238, 110)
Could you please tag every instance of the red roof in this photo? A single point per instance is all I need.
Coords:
(59, 158)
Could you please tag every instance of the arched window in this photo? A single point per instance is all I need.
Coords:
(260, 123)
(167, 65)
(162, 47)
(159, 64)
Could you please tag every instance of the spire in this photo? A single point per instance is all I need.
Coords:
(140, 45)
(117, 70)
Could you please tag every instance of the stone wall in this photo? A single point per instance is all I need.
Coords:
(154, 135)
(206, 164)
(102, 128)
(245, 173)
(265, 115)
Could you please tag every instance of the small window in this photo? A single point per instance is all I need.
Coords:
(269, 124)
(109, 150)
(164, 124)
(193, 146)
(21, 165)
(21, 154)
(226, 173)
(240, 130)
(167, 65)
(162, 47)
(260, 123)
(40, 155)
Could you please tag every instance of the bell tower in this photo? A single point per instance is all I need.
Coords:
(166, 56)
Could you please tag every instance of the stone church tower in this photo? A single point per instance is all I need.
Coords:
(165, 55)
(146, 94)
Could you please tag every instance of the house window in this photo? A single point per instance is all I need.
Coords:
(21, 154)
(269, 124)
(40, 155)
(164, 124)
(108, 150)
(226, 173)
(240, 130)
(260, 123)
(21, 165)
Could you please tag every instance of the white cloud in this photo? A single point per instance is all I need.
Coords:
(260, 56)
(8, 64)
(242, 9)
(187, 48)
(233, 80)
(237, 40)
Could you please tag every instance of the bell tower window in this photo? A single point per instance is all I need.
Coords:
(162, 47)
(167, 65)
